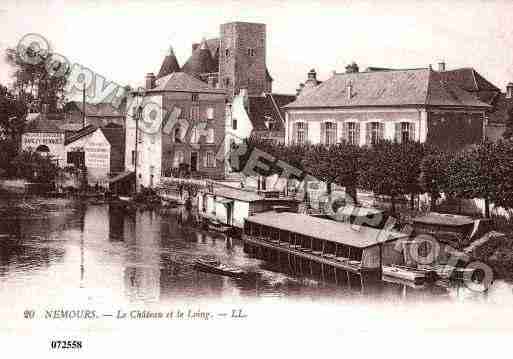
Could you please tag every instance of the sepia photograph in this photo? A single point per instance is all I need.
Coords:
(228, 178)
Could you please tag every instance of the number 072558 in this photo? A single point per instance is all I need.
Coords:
(66, 344)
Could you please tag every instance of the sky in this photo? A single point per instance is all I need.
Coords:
(124, 40)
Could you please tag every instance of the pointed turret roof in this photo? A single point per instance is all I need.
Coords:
(169, 65)
(201, 61)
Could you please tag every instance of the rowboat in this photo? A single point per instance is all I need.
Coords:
(411, 275)
(216, 267)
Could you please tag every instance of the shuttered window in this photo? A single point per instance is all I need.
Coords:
(209, 159)
(301, 132)
(374, 132)
(404, 132)
(352, 133)
(329, 133)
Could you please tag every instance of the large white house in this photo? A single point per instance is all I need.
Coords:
(363, 107)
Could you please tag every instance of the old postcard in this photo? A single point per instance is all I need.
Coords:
(239, 179)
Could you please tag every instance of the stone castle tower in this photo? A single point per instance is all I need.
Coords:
(242, 57)
(234, 61)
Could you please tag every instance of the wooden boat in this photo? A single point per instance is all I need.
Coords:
(411, 275)
(216, 267)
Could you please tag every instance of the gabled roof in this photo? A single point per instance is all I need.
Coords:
(268, 107)
(169, 65)
(415, 87)
(326, 229)
(180, 81)
(82, 133)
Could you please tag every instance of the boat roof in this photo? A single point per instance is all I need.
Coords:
(444, 219)
(326, 229)
(237, 194)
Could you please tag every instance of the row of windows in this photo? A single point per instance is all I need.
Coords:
(374, 132)
(196, 134)
(250, 52)
(194, 113)
(208, 157)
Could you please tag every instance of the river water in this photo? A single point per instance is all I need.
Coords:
(52, 250)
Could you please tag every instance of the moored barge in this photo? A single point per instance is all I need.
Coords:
(355, 249)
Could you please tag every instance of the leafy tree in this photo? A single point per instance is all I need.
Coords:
(35, 167)
(502, 174)
(12, 114)
(471, 174)
(392, 169)
(433, 175)
(337, 163)
(35, 84)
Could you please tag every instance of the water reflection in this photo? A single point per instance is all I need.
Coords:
(147, 256)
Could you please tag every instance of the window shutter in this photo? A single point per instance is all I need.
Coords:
(205, 160)
(381, 130)
(213, 160)
(335, 131)
(294, 133)
(323, 133)
(357, 130)
(412, 132)
(368, 135)
(398, 127)
(306, 132)
(345, 130)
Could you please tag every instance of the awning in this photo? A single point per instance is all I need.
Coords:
(121, 176)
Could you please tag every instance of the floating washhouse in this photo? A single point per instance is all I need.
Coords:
(341, 245)
(232, 206)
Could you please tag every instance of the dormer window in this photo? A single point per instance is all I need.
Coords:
(251, 52)
(194, 97)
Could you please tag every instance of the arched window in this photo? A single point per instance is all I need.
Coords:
(43, 149)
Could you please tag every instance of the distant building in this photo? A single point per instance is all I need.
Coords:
(268, 116)
(99, 114)
(415, 104)
(198, 114)
(43, 135)
(236, 60)
(89, 148)
(99, 150)
(500, 114)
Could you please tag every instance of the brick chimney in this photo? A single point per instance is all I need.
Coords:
(150, 80)
(311, 81)
(312, 75)
(212, 81)
(441, 66)
(509, 90)
(349, 90)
